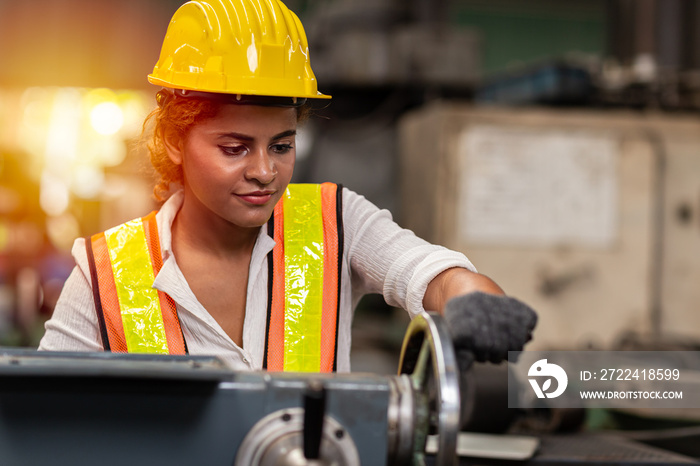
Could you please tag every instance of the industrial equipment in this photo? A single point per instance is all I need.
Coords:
(116, 409)
(107, 408)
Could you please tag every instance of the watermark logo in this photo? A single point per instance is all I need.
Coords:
(603, 379)
(542, 369)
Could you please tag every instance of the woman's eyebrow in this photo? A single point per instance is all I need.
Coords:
(284, 134)
(241, 136)
(245, 137)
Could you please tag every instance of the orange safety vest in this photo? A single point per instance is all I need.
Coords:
(304, 284)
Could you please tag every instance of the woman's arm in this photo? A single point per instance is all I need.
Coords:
(416, 275)
(385, 258)
(73, 325)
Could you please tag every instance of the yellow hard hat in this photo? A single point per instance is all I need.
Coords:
(240, 47)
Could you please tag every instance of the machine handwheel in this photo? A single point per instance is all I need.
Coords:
(428, 359)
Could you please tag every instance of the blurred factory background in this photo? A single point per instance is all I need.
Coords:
(555, 142)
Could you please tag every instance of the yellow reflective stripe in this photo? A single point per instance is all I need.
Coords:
(303, 277)
(138, 300)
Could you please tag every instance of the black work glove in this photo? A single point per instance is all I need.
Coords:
(486, 326)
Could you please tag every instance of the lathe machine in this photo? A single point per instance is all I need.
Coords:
(104, 408)
(110, 409)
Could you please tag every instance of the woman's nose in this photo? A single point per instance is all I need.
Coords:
(261, 167)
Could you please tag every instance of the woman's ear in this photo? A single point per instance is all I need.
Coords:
(173, 146)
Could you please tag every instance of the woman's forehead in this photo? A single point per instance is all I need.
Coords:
(256, 113)
(251, 120)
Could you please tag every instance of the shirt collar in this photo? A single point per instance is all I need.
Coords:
(164, 218)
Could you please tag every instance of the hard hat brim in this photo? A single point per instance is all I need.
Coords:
(241, 99)
(223, 95)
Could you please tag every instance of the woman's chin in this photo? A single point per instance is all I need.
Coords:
(252, 221)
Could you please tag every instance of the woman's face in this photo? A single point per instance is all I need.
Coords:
(237, 164)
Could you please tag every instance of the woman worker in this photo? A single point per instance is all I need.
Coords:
(237, 262)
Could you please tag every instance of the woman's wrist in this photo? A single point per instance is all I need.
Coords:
(455, 282)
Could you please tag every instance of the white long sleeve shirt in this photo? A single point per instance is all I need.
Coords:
(379, 257)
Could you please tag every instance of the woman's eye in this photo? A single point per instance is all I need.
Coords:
(281, 148)
(233, 150)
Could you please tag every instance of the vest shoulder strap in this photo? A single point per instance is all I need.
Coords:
(132, 315)
(304, 279)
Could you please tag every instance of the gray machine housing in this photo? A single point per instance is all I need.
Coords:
(112, 409)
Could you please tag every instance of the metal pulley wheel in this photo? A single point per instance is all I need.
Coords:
(428, 361)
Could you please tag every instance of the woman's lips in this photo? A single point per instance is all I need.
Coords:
(257, 197)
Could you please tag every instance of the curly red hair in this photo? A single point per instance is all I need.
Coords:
(172, 116)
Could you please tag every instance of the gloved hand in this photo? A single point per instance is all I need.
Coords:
(486, 326)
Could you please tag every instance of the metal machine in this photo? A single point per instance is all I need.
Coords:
(73, 408)
(134, 409)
